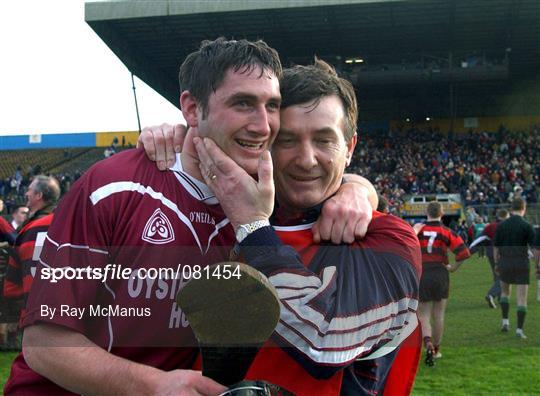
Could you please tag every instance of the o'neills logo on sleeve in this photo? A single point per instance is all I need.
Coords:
(158, 229)
(201, 217)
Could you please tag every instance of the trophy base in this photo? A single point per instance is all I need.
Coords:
(256, 388)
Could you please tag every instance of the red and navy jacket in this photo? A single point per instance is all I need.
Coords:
(486, 239)
(344, 308)
(435, 240)
(7, 234)
(22, 265)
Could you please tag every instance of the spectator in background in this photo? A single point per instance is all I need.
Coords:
(475, 231)
(383, 206)
(462, 231)
(470, 216)
(427, 161)
(42, 196)
(19, 216)
(8, 331)
(7, 232)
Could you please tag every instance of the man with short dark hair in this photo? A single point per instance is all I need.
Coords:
(435, 241)
(513, 238)
(19, 216)
(170, 218)
(328, 292)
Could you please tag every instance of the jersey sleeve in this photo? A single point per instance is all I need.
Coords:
(77, 240)
(13, 283)
(353, 302)
(458, 247)
(7, 233)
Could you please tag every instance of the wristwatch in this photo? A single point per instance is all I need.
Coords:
(245, 229)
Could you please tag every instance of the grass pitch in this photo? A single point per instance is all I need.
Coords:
(477, 358)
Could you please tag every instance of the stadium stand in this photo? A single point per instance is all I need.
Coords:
(36, 161)
(485, 168)
(17, 167)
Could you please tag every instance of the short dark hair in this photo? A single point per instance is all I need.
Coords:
(434, 209)
(49, 187)
(203, 71)
(502, 214)
(303, 84)
(518, 204)
(383, 203)
(17, 207)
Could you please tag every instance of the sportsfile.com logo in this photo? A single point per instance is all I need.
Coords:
(119, 272)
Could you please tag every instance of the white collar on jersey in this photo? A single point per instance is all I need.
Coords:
(196, 188)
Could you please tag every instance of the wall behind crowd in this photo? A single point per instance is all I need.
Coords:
(67, 140)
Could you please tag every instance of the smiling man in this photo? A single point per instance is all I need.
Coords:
(311, 152)
(345, 309)
(124, 211)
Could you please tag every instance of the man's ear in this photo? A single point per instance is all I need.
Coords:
(189, 107)
(350, 148)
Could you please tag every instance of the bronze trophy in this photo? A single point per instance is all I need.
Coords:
(232, 317)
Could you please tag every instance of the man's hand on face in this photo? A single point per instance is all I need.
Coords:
(243, 199)
(161, 143)
(345, 217)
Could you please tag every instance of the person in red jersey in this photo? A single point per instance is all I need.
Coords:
(8, 331)
(106, 334)
(345, 308)
(7, 231)
(42, 196)
(435, 240)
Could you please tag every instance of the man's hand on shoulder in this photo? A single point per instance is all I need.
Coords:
(243, 199)
(161, 143)
(345, 217)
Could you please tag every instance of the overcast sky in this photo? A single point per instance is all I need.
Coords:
(56, 75)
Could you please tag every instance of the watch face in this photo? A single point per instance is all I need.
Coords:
(241, 233)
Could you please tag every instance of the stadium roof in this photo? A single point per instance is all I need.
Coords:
(153, 37)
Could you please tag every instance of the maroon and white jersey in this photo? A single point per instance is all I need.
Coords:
(124, 214)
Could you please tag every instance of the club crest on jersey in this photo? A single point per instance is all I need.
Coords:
(158, 229)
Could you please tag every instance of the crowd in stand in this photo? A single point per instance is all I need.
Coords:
(13, 188)
(485, 168)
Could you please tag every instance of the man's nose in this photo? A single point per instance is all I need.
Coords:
(260, 121)
(306, 157)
